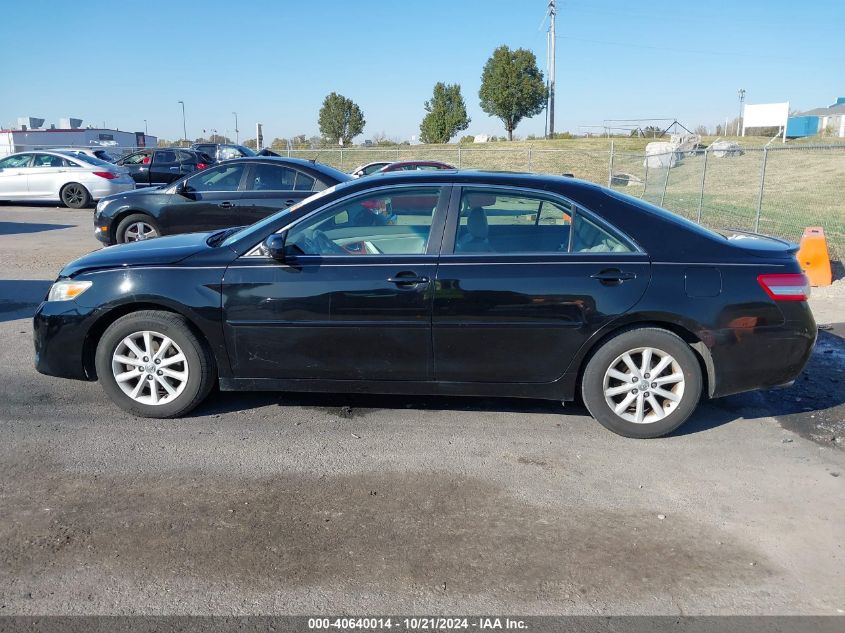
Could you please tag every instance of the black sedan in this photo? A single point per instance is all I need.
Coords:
(154, 167)
(234, 193)
(485, 284)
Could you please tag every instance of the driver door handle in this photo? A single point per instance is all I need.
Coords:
(226, 204)
(289, 202)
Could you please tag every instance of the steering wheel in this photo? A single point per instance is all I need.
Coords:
(323, 245)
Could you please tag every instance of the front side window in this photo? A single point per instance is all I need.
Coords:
(391, 222)
(16, 162)
(222, 178)
(141, 158)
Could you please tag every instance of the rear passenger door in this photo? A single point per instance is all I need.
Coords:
(270, 188)
(524, 279)
(165, 167)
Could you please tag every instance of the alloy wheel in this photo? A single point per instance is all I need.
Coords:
(73, 195)
(643, 385)
(150, 368)
(138, 231)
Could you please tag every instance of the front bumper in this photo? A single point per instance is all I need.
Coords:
(60, 331)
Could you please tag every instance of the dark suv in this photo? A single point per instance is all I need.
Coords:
(151, 167)
(223, 151)
(234, 193)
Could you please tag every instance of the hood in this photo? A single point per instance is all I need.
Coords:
(141, 191)
(158, 252)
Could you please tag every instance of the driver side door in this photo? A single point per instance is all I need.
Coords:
(353, 298)
(208, 201)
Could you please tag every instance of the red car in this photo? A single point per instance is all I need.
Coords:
(414, 165)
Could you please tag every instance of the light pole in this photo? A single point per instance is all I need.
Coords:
(146, 131)
(741, 94)
(184, 128)
(237, 138)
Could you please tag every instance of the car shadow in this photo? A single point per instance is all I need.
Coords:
(20, 297)
(20, 228)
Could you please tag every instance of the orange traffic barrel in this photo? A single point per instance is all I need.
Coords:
(814, 257)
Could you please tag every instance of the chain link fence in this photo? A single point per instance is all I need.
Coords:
(776, 190)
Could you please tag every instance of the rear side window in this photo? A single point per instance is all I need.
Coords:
(591, 238)
(166, 156)
(48, 160)
(187, 157)
(500, 221)
(505, 222)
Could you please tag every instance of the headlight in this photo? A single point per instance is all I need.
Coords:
(101, 205)
(67, 289)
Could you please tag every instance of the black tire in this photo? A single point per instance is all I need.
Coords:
(75, 196)
(607, 356)
(199, 362)
(130, 221)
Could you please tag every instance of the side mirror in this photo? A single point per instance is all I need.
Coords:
(182, 188)
(274, 245)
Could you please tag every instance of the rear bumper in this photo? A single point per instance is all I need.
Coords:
(59, 331)
(767, 357)
(109, 187)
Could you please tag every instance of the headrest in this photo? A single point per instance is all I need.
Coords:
(480, 199)
(477, 223)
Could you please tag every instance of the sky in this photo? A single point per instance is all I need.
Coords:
(273, 61)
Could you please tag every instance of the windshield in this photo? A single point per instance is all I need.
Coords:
(259, 226)
(87, 158)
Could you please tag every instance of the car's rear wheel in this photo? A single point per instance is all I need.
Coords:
(151, 364)
(136, 228)
(75, 196)
(642, 383)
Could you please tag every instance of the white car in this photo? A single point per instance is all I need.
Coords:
(75, 179)
(95, 152)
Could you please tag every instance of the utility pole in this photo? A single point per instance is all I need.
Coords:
(237, 138)
(552, 12)
(741, 94)
(184, 128)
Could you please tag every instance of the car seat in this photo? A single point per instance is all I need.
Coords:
(475, 239)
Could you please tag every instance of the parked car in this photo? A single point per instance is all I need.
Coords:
(414, 165)
(483, 284)
(50, 175)
(223, 151)
(369, 168)
(155, 167)
(94, 152)
(234, 193)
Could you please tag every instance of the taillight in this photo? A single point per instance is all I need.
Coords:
(201, 165)
(108, 175)
(786, 286)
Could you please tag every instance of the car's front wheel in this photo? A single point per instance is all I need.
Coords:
(642, 383)
(136, 228)
(151, 364)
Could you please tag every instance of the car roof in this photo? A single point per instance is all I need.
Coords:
(326, 170)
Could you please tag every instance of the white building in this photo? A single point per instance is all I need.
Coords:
(117, 141)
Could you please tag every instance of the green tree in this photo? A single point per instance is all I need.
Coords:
(512, 87)
(340, 119)
(251, 143)
(447, 114)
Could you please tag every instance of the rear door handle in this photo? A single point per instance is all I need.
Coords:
(226, 204)
(613, 276)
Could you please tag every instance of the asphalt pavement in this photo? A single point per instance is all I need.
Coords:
(303, 504)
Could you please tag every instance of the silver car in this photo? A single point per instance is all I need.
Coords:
(95, 152)
(77, 180)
